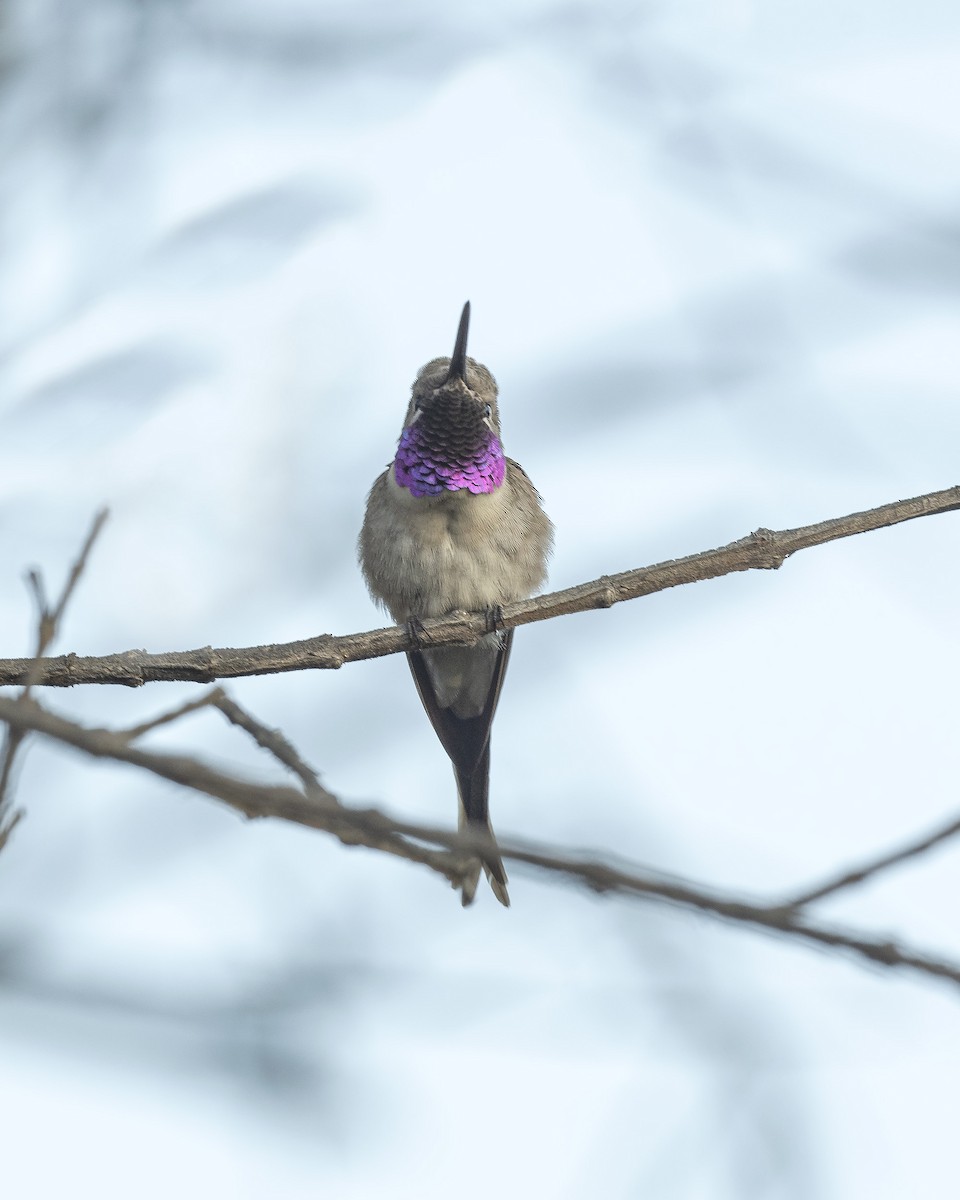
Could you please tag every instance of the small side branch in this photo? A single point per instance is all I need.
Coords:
(874, 866)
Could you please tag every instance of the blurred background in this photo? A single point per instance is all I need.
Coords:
(713, 251)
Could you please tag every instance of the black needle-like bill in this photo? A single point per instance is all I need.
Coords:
(458, 361)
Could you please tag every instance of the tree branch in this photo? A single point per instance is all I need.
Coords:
(448, 852)
(319, 810)
(765, 549)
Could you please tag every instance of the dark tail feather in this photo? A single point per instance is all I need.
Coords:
(473, 790)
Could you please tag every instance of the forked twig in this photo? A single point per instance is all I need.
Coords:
(48, 625)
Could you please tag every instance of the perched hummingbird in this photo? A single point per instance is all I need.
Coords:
(453, 525)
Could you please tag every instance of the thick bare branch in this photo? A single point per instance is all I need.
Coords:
(373, 829)
(764, 549)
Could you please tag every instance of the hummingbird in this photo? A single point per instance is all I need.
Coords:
(453, 525)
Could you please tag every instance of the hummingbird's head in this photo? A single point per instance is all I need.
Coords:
(451, 435)
(455, 391)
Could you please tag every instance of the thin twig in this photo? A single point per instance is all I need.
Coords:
(8, 825)
(764, 549)
(873, 866)
(207, 700)
(48, 624)
(77, 569)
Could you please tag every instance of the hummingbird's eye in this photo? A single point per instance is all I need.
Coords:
(487, 412)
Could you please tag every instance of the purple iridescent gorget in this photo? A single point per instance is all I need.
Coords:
(427, 467)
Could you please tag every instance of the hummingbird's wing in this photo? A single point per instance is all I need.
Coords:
(466, 739)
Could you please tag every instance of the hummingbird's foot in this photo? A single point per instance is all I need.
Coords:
(414, 629)
(495, 619)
